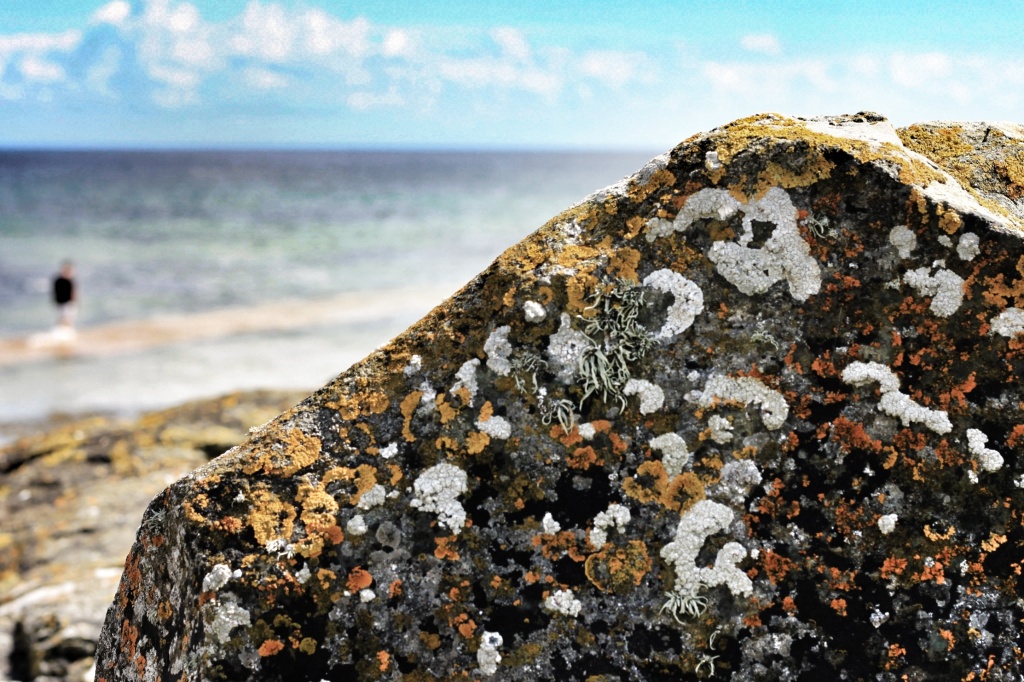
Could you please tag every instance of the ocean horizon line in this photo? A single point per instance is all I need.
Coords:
(215, 148)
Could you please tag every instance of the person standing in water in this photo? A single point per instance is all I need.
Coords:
(64, 295)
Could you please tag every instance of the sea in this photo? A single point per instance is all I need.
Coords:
(204, 272)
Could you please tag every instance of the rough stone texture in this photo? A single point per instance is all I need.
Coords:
(821, 513)
(70, 501)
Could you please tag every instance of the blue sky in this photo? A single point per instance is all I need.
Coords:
(487, 73)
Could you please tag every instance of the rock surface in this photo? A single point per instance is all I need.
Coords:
(70, 501)
(753, 413)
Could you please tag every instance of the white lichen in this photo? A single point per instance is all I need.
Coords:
(968, 247)
(784, 255)
(987, 458)
(563, 602)
(356, 525)
(303, 575)
(1008, 323)
(366, 596)
(549, 525)
(674, 453)
(721, 429)
(498, 349)
(222, 618)
(587, 431)
(894, 402)
(436, 490)
(616, 516)
(651, 396)
(414, 366)
(374, 497)
(534, 311)
(487, 656)
(218, 576)
(738, 477)
(887, 523)
(703, 520)
(945, 287)
(707, 203)
(389, 450)
(466, 378)
(687, 304)
(495, 427)
(746, 390)
(429, 394)
(903, 239)
(565, 348)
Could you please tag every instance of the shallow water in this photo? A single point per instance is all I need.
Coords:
(186, 233)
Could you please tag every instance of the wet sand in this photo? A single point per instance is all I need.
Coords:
(130, 367)
(137, 335)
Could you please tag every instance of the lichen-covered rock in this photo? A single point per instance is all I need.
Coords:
(753, 412)
(69, 502)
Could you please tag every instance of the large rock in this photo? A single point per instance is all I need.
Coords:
(753, 412)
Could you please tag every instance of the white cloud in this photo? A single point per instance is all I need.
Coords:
(115, 13)
(40, 42)
(762, 43)
(37, 69)
(612, 67)
(266, 33)
(368, 100)
(917, 70)
(397, 43)
(264, 79)
(183, 19)
(512, 42)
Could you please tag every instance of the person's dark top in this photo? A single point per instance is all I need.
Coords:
(63, 290)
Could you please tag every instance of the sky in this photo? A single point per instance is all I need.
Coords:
(506, 74)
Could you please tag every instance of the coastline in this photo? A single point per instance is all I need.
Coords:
(130, 367)
(137, 335)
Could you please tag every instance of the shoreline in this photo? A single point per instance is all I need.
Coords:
(278, 316)
(125, 369)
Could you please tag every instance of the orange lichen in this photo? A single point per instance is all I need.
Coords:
(445, 548)
(1016, 437)
(618, 569)
(852, 435)
(408, 406)
(358, 579)
(994, 541)
(296, 452)
(270, 518)
(839, 606)
(271, 647)
(660, 178)
(893, 566)
(775, 566)
(476, 441)
(444, 410)
(622, 263)
(384, 659)
(583, 458)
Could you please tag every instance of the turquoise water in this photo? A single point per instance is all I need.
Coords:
(184, 233)
(155, 232)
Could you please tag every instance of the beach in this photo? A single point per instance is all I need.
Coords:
(202, 273)
(131, 366)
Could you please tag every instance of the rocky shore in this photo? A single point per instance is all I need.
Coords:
(71, 501)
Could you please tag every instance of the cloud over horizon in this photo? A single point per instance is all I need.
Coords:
(163, 55)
